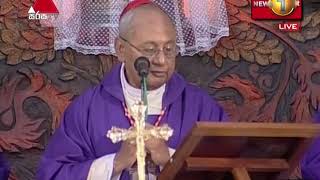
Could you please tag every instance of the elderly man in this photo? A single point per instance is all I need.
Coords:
(79, 148)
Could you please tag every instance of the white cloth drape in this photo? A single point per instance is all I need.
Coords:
(90, 26)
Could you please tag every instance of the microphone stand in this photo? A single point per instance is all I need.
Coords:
(144, 90)
(140, 127)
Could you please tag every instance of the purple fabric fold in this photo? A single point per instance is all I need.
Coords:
(310, 165)
(4, 168)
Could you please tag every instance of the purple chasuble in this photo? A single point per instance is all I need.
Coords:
(81, 137)
(4, 168)
(310, 165)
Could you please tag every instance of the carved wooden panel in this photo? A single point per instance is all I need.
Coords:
(256, 74)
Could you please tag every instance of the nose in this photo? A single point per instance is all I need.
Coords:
(159, 58)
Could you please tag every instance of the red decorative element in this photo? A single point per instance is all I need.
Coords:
(134, 4)
(23, 132)
(45, 6)
(12, 176)
(254, 108)
(300, 109)
(309, 92)
(253, 98)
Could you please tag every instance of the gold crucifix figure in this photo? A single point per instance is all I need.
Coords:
(140, 134)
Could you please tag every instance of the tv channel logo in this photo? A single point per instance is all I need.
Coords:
(276, 9)
(43, 9)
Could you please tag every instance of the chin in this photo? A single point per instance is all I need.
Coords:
(156, 85)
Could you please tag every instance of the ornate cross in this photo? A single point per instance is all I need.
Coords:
(140, 134)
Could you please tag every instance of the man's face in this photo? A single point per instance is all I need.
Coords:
(153, 37)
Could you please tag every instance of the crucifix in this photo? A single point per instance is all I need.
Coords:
(138, 134)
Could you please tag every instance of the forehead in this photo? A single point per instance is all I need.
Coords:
(152, 25)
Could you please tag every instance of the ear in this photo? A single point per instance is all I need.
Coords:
(120, 49)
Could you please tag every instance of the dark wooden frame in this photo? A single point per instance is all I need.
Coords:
(238, 166)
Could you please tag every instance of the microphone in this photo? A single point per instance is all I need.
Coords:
(142, 65)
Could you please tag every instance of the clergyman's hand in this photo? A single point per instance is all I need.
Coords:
(158, 149)
(125, 158)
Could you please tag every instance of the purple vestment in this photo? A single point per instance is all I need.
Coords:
(4, 168)
(310, 165)
(81, 137)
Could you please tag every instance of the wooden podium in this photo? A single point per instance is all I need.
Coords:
(240, 150)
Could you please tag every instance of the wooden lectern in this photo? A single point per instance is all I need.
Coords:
(242, 151)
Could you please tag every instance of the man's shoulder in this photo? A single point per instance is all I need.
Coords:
(85, 98)
(200, 95)
(190, 89)
(317, 117)
(207, 106)
(195, 90)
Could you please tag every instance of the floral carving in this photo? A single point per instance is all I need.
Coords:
(20, 126)
(245, 41)
(308, 93)
(21, 39)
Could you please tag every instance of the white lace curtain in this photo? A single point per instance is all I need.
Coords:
(90, 26)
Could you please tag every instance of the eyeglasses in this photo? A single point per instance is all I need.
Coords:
(169, 52)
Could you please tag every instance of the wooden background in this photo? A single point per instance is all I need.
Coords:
(257, 74)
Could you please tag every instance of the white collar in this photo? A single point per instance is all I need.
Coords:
(132, 95)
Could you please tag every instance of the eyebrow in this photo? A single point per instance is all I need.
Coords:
(155, 44)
